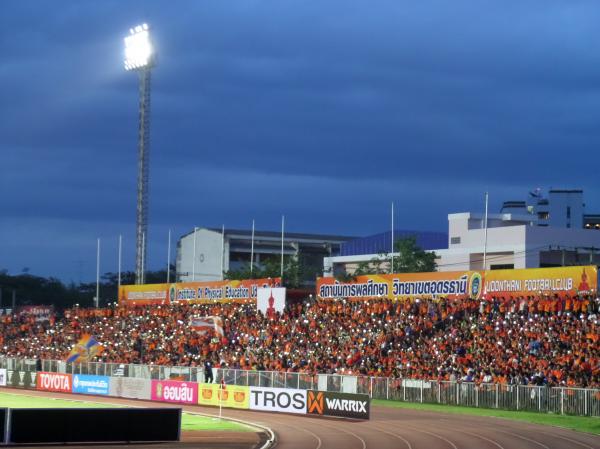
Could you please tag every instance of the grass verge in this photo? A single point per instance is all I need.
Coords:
(580, 423)
(188, 421)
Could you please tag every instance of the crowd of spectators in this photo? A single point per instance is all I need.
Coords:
(538, 340)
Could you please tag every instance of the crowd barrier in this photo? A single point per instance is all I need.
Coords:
(556, 400)
(23, 374)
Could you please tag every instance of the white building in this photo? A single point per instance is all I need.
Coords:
(205, 254)
(514, 241)
(541, 232)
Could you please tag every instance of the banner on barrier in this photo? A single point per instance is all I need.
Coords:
(202, 292)
(278, 400)
(233, 396)
(144, 294)
(54, 382)
(561, 281)
(450, 284)
(40, 313)
(21, 379)
(344, 405)
(87, 384)
(130, 387)
(174, 391)
(214, 291)
(2, 377)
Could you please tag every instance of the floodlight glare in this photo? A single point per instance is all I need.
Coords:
(140, 57)
(138, 48)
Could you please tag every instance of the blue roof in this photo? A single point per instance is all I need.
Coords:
(381, 243)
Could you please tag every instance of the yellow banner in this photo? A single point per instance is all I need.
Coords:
(233, 396)
(220, 291)
(195, 292)
(562, 281)
(144, 294)
(447, 284)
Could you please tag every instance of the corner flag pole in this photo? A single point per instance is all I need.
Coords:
(221, 389)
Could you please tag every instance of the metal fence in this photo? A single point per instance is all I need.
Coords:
(556, 400)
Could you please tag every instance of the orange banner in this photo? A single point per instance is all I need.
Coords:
(464, 284)
(194, 292)
(561, 281)
(449, 284)
(217, 291)
(144, 294)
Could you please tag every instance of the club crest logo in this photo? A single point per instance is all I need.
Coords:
(475, 285)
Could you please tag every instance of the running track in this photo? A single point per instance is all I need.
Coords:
(389, 428)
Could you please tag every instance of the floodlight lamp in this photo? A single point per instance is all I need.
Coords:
(139, 53)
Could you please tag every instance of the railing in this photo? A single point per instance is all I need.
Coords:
(556, 400)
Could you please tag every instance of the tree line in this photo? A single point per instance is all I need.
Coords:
(297, 273)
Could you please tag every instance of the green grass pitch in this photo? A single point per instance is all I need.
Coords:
(580, 423)
(188, 421)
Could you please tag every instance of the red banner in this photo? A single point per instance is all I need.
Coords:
(54, 382)
(41, 313)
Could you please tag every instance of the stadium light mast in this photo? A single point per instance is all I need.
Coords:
(140, 57)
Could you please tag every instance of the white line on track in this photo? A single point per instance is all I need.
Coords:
(314, 435)
(435, 435)
(489, 440)
(364, 444)
(395, 435)
(574, 441)
(524, 438)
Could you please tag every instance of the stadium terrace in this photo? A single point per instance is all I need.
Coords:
(538, 339)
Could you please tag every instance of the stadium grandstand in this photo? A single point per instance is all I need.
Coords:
(540, 340)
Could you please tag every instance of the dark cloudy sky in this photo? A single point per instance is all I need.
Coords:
(325, 111)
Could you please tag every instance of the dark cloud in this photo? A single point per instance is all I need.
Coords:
(324, 112)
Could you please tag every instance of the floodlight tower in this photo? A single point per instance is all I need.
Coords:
(140, 57)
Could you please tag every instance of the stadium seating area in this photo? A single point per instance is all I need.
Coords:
(538, 340)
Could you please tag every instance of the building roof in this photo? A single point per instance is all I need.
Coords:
(565, 191)
(381, 243)
(232, 233)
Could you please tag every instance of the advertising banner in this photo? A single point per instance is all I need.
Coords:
(464, 284)
(40, 313)
(271, 300)
(3, 375)
(144, 294)
(21, 379)
(130, 387)
(215, 291)
(174, 391)
(54, 382)
(344, 405)
(449, 284)
(233, 396)
(278, 400)
(561, 281)
(86, 384)
(195, 292)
